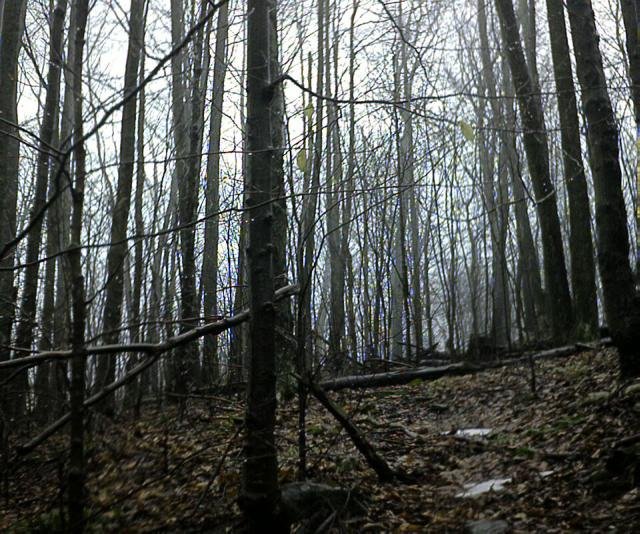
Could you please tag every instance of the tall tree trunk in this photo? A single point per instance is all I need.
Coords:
(306, 239)
(188, 205)
(530, 281)
(76, 486)
(583, 273)
(334, 175)
(284, 319)
(527, 16)
(498, 214)
(621, 303)
(211, 365)
(260, 492)
(239, 336)
(63, 209)
(120, 218)
(347, 212)
(239, 342)
(135, 388)
(28, 303)
(535, 142)
(398, 273)
(11, 30)
(631, 17)
(181, 371)
(43, 392)
(407, 169)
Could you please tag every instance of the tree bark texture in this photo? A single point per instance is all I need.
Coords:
(621, 305)
(212, 195)
(77, 468)
(11, 30)
(535, 142)
(583, 272)
(122, 202)
(260, 492)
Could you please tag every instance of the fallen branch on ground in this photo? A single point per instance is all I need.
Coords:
(396, 378)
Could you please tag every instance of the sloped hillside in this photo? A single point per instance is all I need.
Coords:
(565, 459)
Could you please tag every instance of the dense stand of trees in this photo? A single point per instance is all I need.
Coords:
(413, 172)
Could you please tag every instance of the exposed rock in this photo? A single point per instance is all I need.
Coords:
(487, 526)
(313, 502)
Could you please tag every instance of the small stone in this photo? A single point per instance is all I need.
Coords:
(633, 389)
(486, 526)
(597, 397)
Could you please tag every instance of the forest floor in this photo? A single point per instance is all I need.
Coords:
(160, 473)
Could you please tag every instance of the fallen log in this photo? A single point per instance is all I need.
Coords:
(397, 378)
(394, 378)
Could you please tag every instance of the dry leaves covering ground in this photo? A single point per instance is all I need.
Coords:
(161, 473)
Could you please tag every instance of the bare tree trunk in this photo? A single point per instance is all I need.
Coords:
(583, 272)
(631, 17)
(399, 278)
(285, 355)
(211, 365)
(181, 371)
(260, 492)
(428, 311)
(43, 392)
(188, 205)
(63, 209)
(347, 212)
(239, 336)
(28, 304)
(498, 214)
(11, 30)
(535, 141)
(238, 344)
(135, 388)
(621, 303)
(527, 16)
(407, 169)
(306, 240)
(76, 487)
(120, 218)
(334, 184)
(534, 309)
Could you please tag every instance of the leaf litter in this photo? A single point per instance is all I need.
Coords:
(549, 460)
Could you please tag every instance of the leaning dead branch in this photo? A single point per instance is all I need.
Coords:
(375, 461)
(155, 351)
(213, 329)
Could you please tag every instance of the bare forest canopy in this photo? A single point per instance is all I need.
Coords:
(203, 197)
